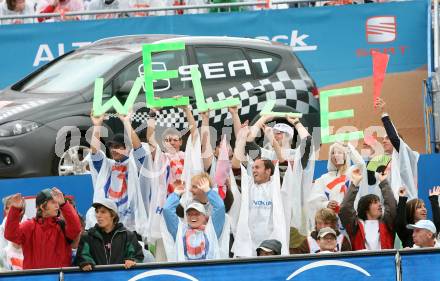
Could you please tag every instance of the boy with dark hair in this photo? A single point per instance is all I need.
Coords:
(46, 238)
(369, 228)
(108, 242)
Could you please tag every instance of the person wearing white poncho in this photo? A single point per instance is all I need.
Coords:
(328, 191)
(118, 178)
(198, 237)
(404, 160)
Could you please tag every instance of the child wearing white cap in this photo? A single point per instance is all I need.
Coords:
(198, 237)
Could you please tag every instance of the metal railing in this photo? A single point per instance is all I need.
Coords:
(160, 9)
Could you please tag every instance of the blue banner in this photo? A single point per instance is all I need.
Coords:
(334, 43)
(358, 268)
(55, 276)
(420, 266)
(79, 187)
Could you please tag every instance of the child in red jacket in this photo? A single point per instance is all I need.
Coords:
(46, 238)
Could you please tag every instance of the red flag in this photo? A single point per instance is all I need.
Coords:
(380, 63)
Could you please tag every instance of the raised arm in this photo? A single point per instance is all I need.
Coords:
(389, 201)
(151, 128)
(191, 120)
(388, 124)
(258, 126)
(14, 231)
(348, 214)
(135, 141)
(169, 209)
(305, 140)
(239, 150)
(218, 207)
(207, 151)
(433, 199)
(236, 122)
(401, 222)
(71, 219)
(95, 143)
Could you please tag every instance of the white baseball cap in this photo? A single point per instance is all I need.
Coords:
(196, 206)
(108, 203)
(423, 224)
(284, 128)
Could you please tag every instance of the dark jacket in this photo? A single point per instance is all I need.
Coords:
(124, 246)
(45, 242)
(355, 226)
(403, 232)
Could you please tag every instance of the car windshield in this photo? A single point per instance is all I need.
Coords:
(76, 71)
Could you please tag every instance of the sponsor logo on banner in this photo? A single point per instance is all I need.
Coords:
(163, 272)
(296, 40)
(381, 29)
(318, 264)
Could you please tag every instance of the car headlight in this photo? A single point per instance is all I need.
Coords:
(18, 127)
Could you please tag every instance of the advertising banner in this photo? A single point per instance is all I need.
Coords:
(419, 266)
(357, 268)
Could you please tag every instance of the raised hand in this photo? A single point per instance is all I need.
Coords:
(332, 204)
(17, 201)
(203, 185)
(57, 196)
(204, 115)
(356, 176)
(292, 120)
(402, 191)
(179, 187)
(233, 109)
(380, 103)
(125, 117)
(434, 191)
(97, 120)
(382, 176)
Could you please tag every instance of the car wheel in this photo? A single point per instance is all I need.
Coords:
(72, 161)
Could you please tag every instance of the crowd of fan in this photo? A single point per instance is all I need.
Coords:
(156, 202)
(34, 7)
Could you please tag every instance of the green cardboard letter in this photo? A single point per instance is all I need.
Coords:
(151, 75)
(270, 104)
(99, 108)
(326, 116)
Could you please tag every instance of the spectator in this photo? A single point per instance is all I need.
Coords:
(327, 240)
(59, 6)
(324, 218)
(174, 157)
(403, 168)
(261, 214)
(45, 239)
(108, 242)
(16, 8)
(99, 5)
(269, 248)
(117, 178)
(227, 9)
(328, 190)
(11, 254)
(413, 211)
(424, 234)
(370, 228)
(198, 238)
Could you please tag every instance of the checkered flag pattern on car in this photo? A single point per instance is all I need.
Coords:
(14, 108)
(293, 93)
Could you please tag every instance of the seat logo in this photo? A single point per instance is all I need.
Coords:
(381, 29)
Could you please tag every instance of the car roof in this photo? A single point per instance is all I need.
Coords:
(134, 42)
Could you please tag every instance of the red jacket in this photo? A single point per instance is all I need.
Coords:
(45, 244)
(358, 238)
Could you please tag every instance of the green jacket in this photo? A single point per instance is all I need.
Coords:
(124, 246)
